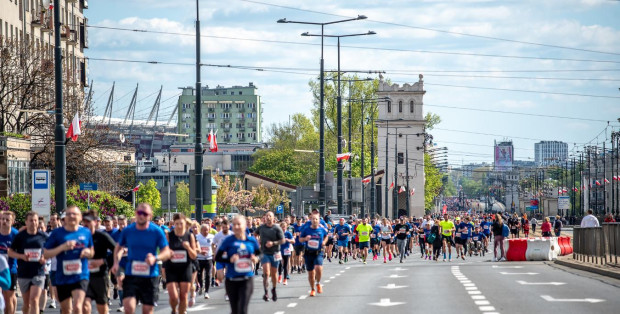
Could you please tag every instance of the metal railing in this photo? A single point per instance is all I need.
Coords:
(597, 245)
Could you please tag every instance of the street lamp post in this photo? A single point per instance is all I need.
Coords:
(60, 173)
(322, 199)
(198, 149)
(339, 115)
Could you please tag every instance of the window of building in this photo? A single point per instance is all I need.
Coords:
(240, 135)
(252, 135)
(411, 106)
(400, 106)
(211, 106)
(251, 105)
(186, 125)
(225, 105)
(389, 106)
(240, 93)
(225, 115)
(240, 115)
(232, 92)
(251, 115)
(401, 158)
(211, 115)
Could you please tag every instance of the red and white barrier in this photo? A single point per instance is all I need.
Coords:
(537, 249)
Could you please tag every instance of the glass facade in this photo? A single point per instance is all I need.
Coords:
(19, 176)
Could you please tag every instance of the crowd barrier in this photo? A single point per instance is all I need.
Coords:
(537, 249)
(597, 245)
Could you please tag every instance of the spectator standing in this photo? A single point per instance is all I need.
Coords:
(557, 226)
(589, 221)
(546, 228)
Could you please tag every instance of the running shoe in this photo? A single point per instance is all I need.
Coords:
(274, 296)
(503, 259)
(52, 304)
(463, 257)
(191, 302)
(312, 293)
(494, 259)
(266, 297)
(207, 296)
(226, 298)
(279, 278)
(121, 309)
(319, 288)
(285, 282)
(340, 262)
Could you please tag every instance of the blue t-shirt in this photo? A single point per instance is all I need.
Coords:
(477, 236)
(297, 229)
(243, 267)
(317, 236)
(486, 227)
(139, 244)
(376, 230)
(321, 222)
(5, 244)
(285, 248)
(465, 229)
(341, 229)
(71, 268)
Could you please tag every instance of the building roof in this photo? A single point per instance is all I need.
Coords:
(256, 179)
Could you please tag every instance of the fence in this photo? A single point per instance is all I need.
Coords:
(598, 245)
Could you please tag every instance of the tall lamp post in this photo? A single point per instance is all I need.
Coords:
(322, 199)
(339, 112)
(60, 173)
(198, 148)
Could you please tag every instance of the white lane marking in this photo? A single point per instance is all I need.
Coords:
(465, 281)
(469, 285)
(495, 266)
(471, 288)
(348, 267)
(342, 271)
(292, 305)
(482, 302)
(200, 307)
(393, 286)
(337, 274)
(506, 273)
(279, 312)
(332, 277)
(478, 297)
(552, 299)
(474, 292)
(553, 283)
(399, 268)
(486, 308)
(396, 276)
(386, 302)
(326, 281)
(303, 297)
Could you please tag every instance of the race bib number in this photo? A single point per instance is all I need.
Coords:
(139, 268)
(179, 256)
(205, 250)
(313, 244)
(287, 252)
(364, 233)
(330, 234)
(277, 257)
(373, 236)
(91, 267)
(33, 255)
(458, 234)
(72, 267)
(402, 230)
(243, 265)
(486, 227)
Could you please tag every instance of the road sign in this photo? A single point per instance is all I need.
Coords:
(563, 202)
(41, 200)
(88, 186)
(280, 209)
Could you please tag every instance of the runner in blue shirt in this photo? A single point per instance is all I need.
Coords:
(72, 245)
(375, 240)
(478, 238)
(464, 228)
(298, 247)
(342, 231)
(315, 238)
(486, 229)
(7, 234)
(286, 250)
(142, 241)
(239, 253)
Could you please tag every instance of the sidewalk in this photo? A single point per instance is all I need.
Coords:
(604, 270)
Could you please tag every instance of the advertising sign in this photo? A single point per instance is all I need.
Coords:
(563, 202)
(41, 201)
(503, 157)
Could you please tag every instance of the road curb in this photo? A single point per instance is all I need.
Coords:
(591, 269)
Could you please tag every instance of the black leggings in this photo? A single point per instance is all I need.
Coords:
(284, 265)
(206, 266)
(422, 243)
(239, 293)
(436, 250)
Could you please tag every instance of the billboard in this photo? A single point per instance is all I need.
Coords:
(503, 157)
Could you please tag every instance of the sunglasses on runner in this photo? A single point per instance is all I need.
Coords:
(142, 213)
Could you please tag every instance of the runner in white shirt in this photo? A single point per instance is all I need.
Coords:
(205, 257)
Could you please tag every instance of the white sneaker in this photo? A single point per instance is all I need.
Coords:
(227, 298)
(494, 259)
(207, 296)
(503, 259)
(121, 309)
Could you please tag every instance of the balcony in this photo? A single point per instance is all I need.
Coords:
(211, 109)
(227, 139)
(44, 20)
(242, 109)
(226, 109)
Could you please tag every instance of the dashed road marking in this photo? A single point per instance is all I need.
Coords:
(292, 305)
(480, 300)
(303, 297)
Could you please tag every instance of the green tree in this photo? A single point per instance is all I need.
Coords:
(432, 182)
(286, 165)
(449, 188)
(149, 194)
(183, 206)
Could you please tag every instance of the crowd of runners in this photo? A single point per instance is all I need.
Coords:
(77, 258)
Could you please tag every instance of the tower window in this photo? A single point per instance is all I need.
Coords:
(400, 106)
(411, 106)
(401, 158)
(389, 106)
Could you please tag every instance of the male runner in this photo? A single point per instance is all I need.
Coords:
(271, 237)
(447, 226)
(7, 233)
(72, 245)
(342, 231)
(315, 237)
(98, 285)
(142, 240)
(27, 249)
(363, 233)
(205, 257)
(401, 229)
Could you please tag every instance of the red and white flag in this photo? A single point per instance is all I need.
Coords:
(391, 185)
(212, 140)
(575, 189)
(412, 191)
(343, 156)
(606, 181)
(597, 183)
(615, 178)
(136, 188)
(366, 180)
(75, 128)
(559, 192)
(402, 189)
(564, 190)
(51, 6)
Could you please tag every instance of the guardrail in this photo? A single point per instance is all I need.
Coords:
(597, 245)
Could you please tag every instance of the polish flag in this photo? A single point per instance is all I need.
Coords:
(212, 140)
(343, 156)
(391, 185)
(615, 178)
(412, 191)
(402, 189)
(597, 183)
(606, 181)
(583, 187)
(136, 188)
(564, 190)
(51, 6)
(366, 180)
(575, 189)
(559, 192)
(75, 128)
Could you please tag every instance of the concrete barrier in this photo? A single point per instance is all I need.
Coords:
(516, 250)
(540, 250)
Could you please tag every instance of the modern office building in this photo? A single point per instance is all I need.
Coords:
(550, 153)
(234, 112)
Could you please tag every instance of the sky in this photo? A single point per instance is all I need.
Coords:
(493, 70)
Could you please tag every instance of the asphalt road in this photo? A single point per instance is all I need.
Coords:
(475, 285)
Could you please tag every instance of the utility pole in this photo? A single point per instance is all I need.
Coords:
(395, 190)
(60, 171)
(385, 173)
(198, 148)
